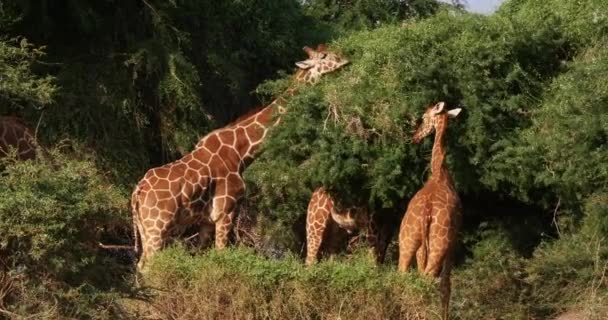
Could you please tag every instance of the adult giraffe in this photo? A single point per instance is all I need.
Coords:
(325, 214)
(432, 220)
(16, 134)
(205, 185)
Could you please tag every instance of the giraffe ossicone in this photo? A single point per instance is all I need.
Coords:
(432, 221)
(205, 185)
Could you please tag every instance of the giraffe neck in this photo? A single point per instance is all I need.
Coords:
(257, 125)
(438, 157)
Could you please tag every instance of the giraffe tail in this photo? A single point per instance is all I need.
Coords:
(445, 285)
(134, 213)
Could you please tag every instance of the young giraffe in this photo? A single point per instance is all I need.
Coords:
(324, 214)
(432, 220)
(204, 186)
(14, 133)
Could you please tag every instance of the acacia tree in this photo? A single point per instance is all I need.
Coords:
(143, 80)
(350, 133)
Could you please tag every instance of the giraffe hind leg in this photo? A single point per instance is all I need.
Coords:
(409, 242)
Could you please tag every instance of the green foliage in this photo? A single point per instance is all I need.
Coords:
(142, 81)
(19, 85)
(52, 214)
(137, 83)
(490, 284)
(351, 132)
(567, 274)
(252, 287)
(342, 17)
(564, 148)
(582, 22)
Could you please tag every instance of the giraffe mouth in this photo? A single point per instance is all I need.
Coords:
(304, 65)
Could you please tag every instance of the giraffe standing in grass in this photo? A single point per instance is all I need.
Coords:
(205, 185)
(325, 214)
(14, 133)
(432, 220)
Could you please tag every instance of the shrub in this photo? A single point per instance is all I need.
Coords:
(52, 214)
(351, 132)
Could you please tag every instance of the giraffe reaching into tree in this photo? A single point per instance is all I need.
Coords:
(205, 185)
(325, 213)
(14, 133)
(431, 223)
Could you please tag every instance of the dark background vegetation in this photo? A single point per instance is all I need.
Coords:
(116, 87)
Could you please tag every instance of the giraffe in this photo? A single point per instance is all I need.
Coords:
(204, 186)
(325, 214)
(14, 133)
(432, 220)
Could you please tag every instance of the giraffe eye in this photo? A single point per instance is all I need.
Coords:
(323, 55)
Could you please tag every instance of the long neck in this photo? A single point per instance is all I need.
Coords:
(438, 157)
(257, 125)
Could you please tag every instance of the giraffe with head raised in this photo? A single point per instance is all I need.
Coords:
(16, 134)
(204, 186)
(325, 213)
(430, 226)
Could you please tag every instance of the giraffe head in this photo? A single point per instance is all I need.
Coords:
(319, 62)
(351, 219)
(433, 115)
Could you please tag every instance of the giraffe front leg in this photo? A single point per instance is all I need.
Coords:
(222, 215)
(227, 194)
(222, 230)
(314, 239)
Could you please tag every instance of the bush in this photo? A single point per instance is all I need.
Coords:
(19, 85)
(351, 132)
(568, 274)
(53, 212)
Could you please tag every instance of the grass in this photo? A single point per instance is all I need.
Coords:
(238, 284)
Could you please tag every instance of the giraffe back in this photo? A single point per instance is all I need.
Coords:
(16, 134)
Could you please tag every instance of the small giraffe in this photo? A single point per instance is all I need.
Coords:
(205, 185)
(430, 226)
(324, 214)
(14, 133)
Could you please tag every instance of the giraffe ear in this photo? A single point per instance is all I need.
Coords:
(454, 112)
(304, 65)
(438, 108)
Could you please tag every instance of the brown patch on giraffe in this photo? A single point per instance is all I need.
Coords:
(15, 133)
(227, 137)
(212, 143)
(227, 153)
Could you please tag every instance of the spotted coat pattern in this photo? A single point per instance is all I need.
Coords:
(205, 185)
